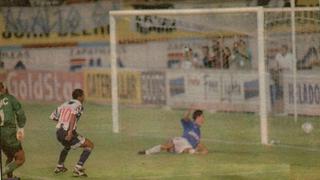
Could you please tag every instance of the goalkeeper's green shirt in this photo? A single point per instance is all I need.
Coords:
(11, 112)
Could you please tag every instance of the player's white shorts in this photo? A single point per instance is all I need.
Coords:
(79, 142)
(180, 144)
(76, 141)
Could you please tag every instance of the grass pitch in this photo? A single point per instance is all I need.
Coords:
(233, 140)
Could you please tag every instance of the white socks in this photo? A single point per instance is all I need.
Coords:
(153, 150)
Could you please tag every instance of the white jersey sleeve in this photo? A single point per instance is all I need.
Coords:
(66, 112)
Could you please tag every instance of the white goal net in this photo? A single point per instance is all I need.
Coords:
(292, 59)
(210, 58)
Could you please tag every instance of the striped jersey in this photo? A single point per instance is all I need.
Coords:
(65, 112)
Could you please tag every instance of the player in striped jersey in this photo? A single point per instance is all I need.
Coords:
(67, 115)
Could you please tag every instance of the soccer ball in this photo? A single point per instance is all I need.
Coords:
(307, 127)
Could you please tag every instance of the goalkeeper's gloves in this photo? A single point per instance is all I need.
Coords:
(20, 134)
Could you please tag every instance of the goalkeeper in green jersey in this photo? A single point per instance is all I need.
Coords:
(12, 122)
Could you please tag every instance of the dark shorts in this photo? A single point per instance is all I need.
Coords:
(75, 142)
(9, 142)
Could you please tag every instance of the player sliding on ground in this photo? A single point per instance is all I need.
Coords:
(12, 122)
(67, 115)
(189, 142)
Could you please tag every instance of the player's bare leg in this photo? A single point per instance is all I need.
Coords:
(19, 159)
(87, 148)
(168, 147)
(201, 149)
(188, 151)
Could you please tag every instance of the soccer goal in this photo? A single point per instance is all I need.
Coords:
(292, 54)
(213, 58)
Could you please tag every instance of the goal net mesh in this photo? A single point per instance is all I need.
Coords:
(294, 82)
(167, 63)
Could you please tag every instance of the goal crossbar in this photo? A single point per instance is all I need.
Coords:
(171, 12)
(118, 13)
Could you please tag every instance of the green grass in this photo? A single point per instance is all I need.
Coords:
(232, 138)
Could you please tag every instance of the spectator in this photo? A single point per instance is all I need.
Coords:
(196, 62)
(241, 55)
(216, 55)
(284, 59)
(120, 63)
(205, 60)
(262, 2)
(283, 63)
(99, 62)
(91, 63)
(274, 80)
(286, 3)
(1, 64)
(187, 62)
(226, 57)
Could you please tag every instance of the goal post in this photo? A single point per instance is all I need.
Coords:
(292, 33)
(114, 81)
(170, 12)
(262, 78)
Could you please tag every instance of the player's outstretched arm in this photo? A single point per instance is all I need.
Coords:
(187, 114)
